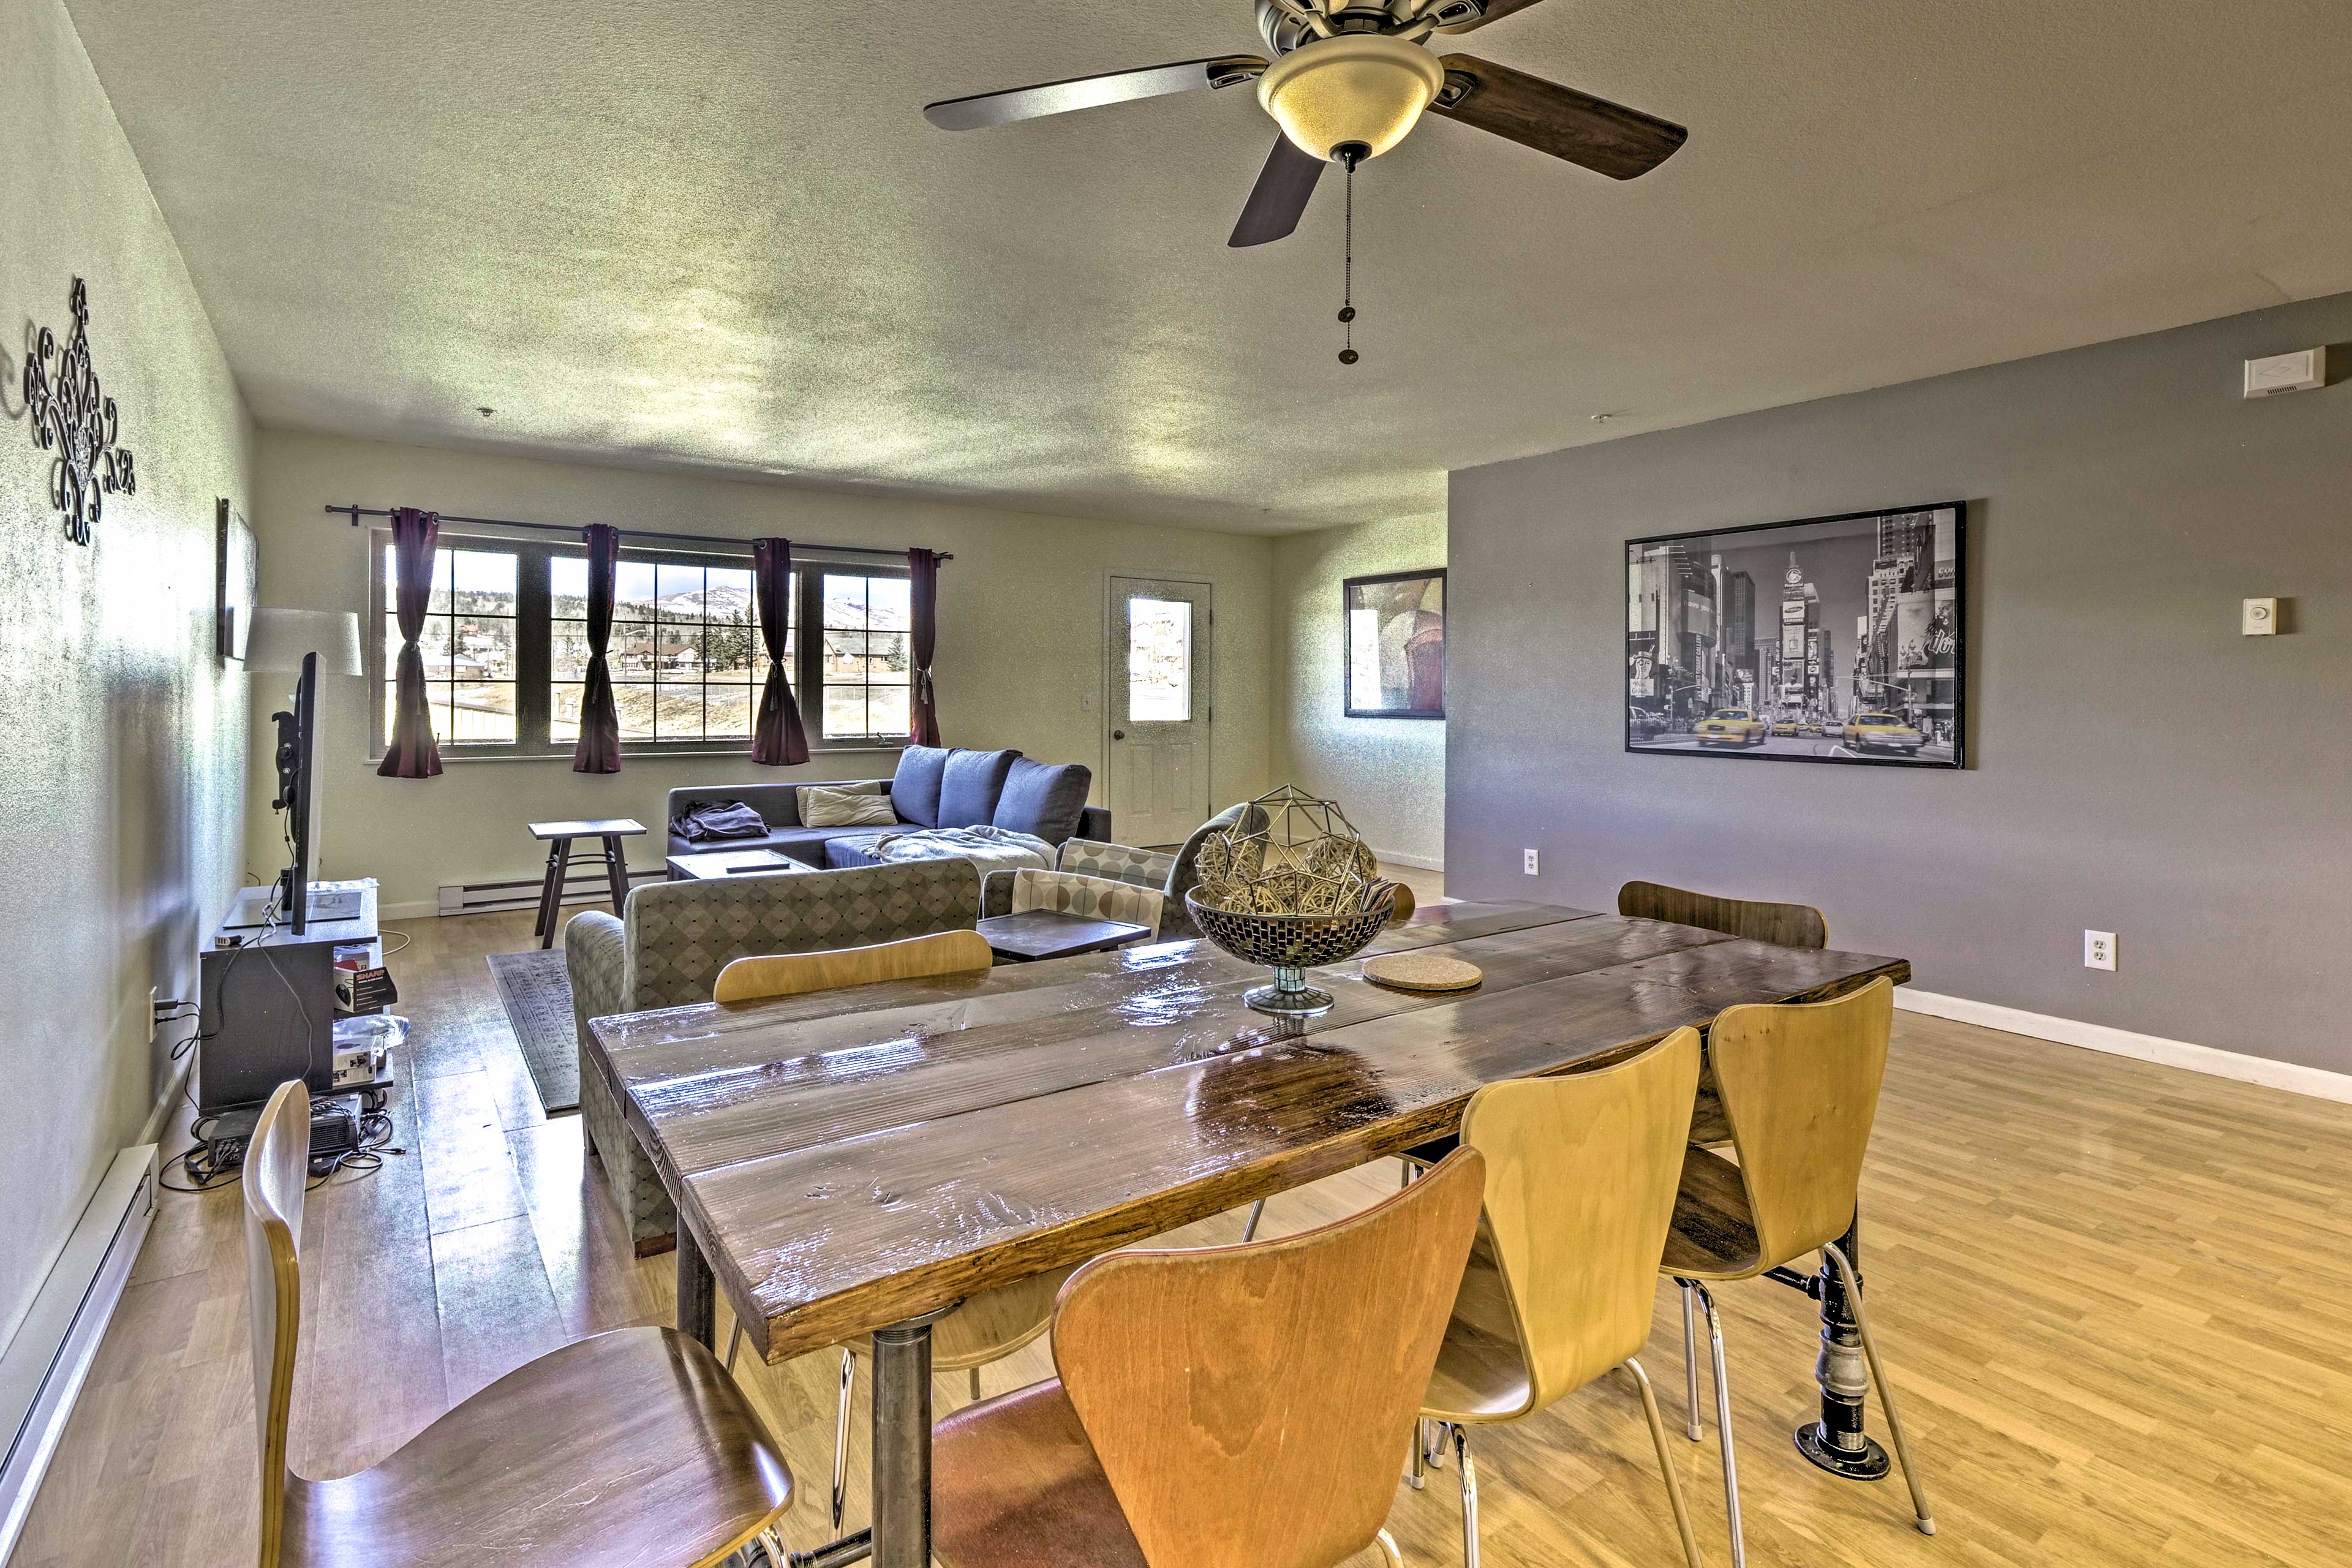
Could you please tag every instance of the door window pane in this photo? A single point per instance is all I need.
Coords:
(1159, 661)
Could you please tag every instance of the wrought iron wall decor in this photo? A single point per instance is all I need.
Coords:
(73, 417)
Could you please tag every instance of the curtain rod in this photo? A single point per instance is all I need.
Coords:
(355, 512)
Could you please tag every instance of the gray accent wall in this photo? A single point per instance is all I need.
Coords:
(2136, 764)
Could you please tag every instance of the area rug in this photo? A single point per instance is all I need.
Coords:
(537, 994)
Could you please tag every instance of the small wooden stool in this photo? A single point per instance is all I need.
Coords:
(558, 865)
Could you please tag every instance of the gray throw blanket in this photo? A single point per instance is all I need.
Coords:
(719, 819)
(990, 848)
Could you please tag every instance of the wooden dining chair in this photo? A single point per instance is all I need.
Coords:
(798, 973)
(1562, 1279)
(1782, 925)
(1227, 1408)
(987, 1328)
(626, 1447)
(1801, 1086)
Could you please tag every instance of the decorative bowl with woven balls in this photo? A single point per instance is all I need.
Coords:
(1290, 885)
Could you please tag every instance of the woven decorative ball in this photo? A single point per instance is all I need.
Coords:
(1423, 971)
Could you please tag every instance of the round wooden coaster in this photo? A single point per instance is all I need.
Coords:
(1423, 971)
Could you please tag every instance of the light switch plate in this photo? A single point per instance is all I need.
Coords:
(2258, 619)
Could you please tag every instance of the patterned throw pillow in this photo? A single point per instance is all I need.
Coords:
(823, 807)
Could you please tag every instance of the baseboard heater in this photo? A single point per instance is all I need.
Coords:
(580, 887)
(42, 1370)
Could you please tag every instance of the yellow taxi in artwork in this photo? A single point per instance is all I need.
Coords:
(1883, 732)
(1730, 727)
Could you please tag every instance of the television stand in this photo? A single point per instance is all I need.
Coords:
(268, 1008)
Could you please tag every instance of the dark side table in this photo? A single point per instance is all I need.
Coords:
(558, 837)
(1051, 933)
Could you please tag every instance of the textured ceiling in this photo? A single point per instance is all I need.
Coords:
(720, 236)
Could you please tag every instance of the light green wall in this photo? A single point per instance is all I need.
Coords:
(124, 751)
(1020, 658)
(1387, 775)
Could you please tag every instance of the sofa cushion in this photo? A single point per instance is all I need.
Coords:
(843, 850)
(915, 792)
(1044, 798)
(806, 845)
(968, 788)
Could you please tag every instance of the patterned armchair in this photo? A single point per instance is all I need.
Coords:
(674, 938)
(1170, 874)
(1090, 898)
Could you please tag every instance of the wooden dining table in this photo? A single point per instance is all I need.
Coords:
(862, 1161)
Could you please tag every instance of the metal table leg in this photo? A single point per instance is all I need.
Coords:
(902, 1442)
(697, 1291)
(616, 873)
(1837, 1442)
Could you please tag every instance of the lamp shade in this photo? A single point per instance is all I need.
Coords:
(281, 638)
(1356, 87)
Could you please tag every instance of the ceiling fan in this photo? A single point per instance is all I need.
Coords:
(1349, 80)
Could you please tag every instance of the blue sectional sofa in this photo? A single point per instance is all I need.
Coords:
(935, 786)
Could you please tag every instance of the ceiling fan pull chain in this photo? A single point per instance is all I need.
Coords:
(1348, 275)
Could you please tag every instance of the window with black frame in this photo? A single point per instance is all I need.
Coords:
(506, 650)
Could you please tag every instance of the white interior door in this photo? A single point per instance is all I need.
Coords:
(1158, 709)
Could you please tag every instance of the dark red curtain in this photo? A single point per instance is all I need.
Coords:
(778, 740)
(923, 580)
(599, 748)
(412, 753)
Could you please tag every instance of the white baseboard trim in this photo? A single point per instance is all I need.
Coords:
(422, 908)
(1418, 862)
(2292, 1076)
(160, 1117)
(43, 1368)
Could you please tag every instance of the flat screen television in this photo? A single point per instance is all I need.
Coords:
(298, 795)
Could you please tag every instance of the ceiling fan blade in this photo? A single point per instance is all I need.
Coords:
(1280, 199)
(1086, 91)
(1467, 15)
(1607, 138)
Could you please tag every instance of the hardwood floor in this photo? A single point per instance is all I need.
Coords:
(2115, 1299)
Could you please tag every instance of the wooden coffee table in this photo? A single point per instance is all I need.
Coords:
(718, 865)
(1050, 934)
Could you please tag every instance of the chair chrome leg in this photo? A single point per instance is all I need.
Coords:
(1690, 1364)
(1926, 1520)
(975, 1385)
(1389, 1552)
(1417, 1475)
(1469, 1497)
(1666, 1464)
(1257, 1211)
(774, 1545)
(1405, 1174)
(1433, 1443)
(734, 1343)
(1723, 1425)
(840, 1440)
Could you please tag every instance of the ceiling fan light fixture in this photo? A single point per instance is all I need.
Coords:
(1358, 87)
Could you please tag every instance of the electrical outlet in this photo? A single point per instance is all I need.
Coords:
(1528, 861)
(2099, 950)
(153, 1022)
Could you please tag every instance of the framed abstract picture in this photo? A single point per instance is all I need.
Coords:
(1825, 639)
(1396, 645)
(234, 570)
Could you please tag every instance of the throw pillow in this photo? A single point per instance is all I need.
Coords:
(822, 807)
(969, 789)
(915, 793)
(1044, 798)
